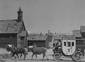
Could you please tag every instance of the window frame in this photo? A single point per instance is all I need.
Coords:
(69, 44)
(64, 43)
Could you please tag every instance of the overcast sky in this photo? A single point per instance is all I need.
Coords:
(43, 15)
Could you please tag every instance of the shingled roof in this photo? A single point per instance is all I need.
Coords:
(8, 26)
(36, 37)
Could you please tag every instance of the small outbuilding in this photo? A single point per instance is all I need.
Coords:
(38, 39)
(41, 40)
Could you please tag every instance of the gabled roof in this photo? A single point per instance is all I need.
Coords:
(36, 37)
(11, 26)
(8, 26)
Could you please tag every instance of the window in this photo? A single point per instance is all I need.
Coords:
(72, 43)
(53, 44)
(64, 43)
(22, 38)
(69, 44)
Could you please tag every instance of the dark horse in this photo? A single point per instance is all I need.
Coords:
(38, 50)
(17, 51)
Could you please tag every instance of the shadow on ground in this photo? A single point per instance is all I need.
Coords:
(4, 56)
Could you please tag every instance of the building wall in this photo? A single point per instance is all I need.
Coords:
(39, 43)
(8, 39)
(8, 28)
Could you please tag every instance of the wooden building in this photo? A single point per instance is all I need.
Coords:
(40, 40)
(13, 31)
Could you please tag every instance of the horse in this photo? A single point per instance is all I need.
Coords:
(16, 51)
(12, 50)
(22, 51)
(38, 50)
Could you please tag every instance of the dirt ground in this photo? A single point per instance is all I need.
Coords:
(8, 60)
(4, 57)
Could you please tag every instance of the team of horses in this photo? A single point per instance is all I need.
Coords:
(19, 52)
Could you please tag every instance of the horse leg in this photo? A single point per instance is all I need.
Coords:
(44, 55)
(24, 55)
(20, 55)
(32, 55)
(13, 55)
(36, 56)
(17, 55)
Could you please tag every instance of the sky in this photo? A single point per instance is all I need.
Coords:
(60, 16)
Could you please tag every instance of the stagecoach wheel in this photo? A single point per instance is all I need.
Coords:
(79, 55)
(76, 57)
(57, 55)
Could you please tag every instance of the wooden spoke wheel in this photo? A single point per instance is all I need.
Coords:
(77, 56)
(57, 55)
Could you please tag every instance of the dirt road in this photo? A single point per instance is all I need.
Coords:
(8, 60)
(29, 59)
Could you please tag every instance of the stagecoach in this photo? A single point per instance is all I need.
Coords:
(68, 47)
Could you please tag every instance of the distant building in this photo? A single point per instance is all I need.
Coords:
(13, 31)
(41, 40)
(82, 28)
(80, 37)
(76, 33)
(82, 31)
(38, 39)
